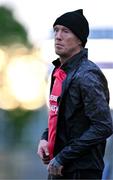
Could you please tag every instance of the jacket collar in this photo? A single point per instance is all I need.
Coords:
(73, 62)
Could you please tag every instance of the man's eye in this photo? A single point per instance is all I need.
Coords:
(55, 30)
(66, 30)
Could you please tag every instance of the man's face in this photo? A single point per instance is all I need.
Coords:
(66, 43)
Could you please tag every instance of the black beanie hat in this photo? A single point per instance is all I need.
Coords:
(76, 22)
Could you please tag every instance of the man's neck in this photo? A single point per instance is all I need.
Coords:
(63, 59)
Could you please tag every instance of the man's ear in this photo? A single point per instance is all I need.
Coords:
(79, 42)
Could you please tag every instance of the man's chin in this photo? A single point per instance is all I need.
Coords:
(59, 52)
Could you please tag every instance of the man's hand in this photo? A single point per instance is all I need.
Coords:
(43, 151)
(55, 168)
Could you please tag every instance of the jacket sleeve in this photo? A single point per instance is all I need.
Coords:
(45, 134)
(97, 110)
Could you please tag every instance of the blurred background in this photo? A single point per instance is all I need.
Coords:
(26, 53)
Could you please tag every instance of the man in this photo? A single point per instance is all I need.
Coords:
(79, 120)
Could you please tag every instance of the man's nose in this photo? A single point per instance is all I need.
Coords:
(58, 35)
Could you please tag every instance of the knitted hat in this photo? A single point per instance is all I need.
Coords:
(76, 22)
